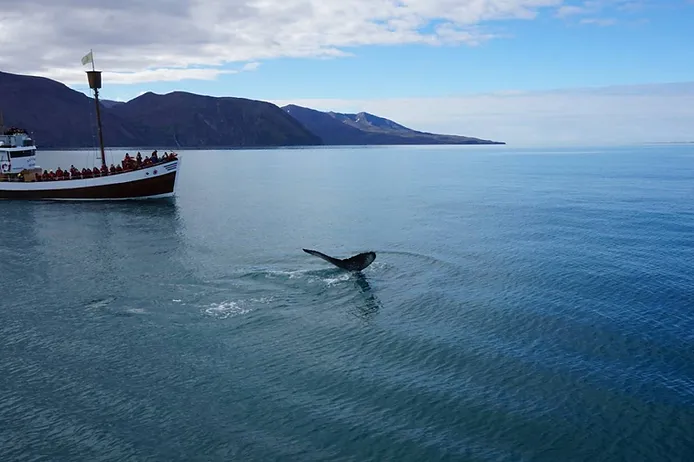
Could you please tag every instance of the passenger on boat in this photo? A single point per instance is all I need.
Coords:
(112, 169)
(86, 173)
(59, 173)
(126, 161)
(138, 160)
(104, 170)
(154, 157)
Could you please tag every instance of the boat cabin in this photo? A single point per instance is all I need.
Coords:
(17, 151)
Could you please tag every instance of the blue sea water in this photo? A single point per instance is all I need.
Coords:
(525, 305)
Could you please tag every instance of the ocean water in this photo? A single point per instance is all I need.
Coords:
(525, 305)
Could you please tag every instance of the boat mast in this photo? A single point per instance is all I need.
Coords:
(94, 78)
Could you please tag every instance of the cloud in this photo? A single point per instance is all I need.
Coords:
(584, 7)
(70, 76)
(138, 41)
(571, 10)
(250, 66)
(599, 21)
(619, 114)
(593, 7)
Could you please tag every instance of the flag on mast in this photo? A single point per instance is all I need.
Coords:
(88, 58)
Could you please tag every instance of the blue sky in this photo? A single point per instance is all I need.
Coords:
(651, 42)
(411, 60)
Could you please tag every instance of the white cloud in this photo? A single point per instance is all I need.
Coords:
(591, 7)
(70, 76)
(620, 114)
(250, 66)
(571, 10)
(599, 21)
(140, 41)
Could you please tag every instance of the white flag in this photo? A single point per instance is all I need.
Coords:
(88, 58)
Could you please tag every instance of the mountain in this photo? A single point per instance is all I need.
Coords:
(368, 122)
(186, 119)
(110, 103)
(336, 128)
(59, 117)
(56, 115)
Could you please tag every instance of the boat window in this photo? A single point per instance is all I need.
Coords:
(17, 154)
(3, 156)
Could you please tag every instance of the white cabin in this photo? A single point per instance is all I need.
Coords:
(17, 151)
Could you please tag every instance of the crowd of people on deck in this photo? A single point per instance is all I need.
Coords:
(127, 164)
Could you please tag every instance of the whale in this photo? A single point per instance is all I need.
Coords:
(355, 263)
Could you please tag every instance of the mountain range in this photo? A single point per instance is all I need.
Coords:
(59, 117)
(335, 128)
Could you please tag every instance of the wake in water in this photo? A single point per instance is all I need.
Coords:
(226, 310)
(272, 288)
(107, 306)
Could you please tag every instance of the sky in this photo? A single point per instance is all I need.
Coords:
(522, 71)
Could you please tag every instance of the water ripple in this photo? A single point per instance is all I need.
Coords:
(521, 307)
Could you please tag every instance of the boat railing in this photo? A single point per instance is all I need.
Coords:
(35, 175)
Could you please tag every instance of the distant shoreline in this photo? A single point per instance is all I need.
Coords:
(149, 149)
(669, 142)
(60, 118)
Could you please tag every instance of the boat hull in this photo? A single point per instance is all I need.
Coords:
(158, 181)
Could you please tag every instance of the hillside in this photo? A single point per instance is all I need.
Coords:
(56, 115)
(59, 117)
(187, 119)
(110, 103)
(363, 128)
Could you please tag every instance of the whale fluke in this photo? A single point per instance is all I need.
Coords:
(355, 263)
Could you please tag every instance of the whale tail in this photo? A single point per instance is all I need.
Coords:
(355, 263)
(325, 257)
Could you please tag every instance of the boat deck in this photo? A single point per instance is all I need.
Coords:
(127, 165)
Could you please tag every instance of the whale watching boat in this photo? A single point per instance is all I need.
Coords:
(20, 178)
